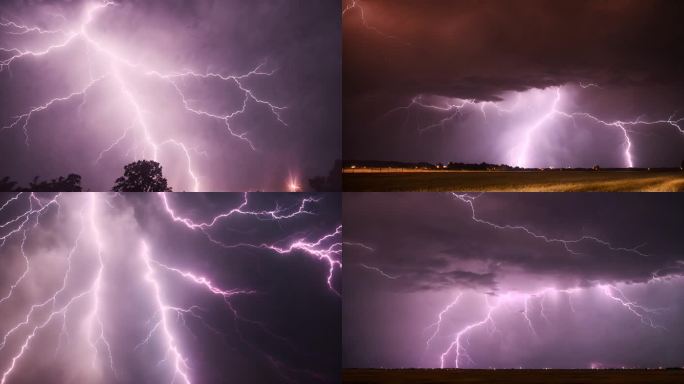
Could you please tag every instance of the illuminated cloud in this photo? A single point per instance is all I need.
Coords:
(511, 280)
(167, 288)
(547, 84)
(89, 86)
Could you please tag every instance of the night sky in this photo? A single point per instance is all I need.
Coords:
(612, 299)
(136, 62)
(287, 318)
(617, 60)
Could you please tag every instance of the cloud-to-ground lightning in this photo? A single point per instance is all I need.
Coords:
(120, 74)
(522, 147)
(514, 310)
(458, 348)
(86, 283)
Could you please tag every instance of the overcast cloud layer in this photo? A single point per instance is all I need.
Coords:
(408, 255)
(493, 50)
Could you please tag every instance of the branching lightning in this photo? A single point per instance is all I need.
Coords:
(91, 248)
(567, 244)
(357, 6)
(523, 147)
(458, 348)
(327, 248)
(144, 140)
(529, 308)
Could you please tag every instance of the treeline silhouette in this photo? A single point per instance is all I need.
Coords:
(455, 166)
(139, 176)
(147, 176)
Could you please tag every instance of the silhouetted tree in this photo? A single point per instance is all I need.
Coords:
(596, 167)
(71, 183)
(142, 176)
(7, 185)
(331, 183)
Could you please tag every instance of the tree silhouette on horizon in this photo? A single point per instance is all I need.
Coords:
(71, 183)
(142, 176)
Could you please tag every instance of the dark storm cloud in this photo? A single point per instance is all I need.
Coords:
(481, 50)
(298, 39)
(477, 49)
(413, 259)
(431, 241)
(281, 338)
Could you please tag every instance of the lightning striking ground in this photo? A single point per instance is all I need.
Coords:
(567, 244)
(121, 73)
(523, 145)
(535, 310)
(459, 350)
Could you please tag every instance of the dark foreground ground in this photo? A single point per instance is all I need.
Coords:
(527, 376)
(527, 181)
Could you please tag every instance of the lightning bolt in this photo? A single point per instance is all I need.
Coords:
(122, 73)
(458, 346)
(452, 108)
(531, 305)
(179, 362)
(567, 244)
(355, 5)
(327, 248)
(438, 324)
(91, 249)
(380, 271)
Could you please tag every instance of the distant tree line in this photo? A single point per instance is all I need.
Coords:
(356, 164)
(139, 176)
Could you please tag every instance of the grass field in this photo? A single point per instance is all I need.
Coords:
(527, 181)
(527, 376)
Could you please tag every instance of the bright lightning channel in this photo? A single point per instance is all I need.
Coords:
(115, 73)
(44, 313)
(523, 147)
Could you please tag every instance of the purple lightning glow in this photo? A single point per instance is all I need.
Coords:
(509, 281)
(327, 248)
(566, 243)
(128, 80)
(528, 116)
(80, 303)
(459, 349)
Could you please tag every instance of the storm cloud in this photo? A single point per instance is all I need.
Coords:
(491, 51)
(238, 296)
(409, 254)
(134, 83)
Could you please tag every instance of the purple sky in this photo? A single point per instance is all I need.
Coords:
(227, 95)
(249, 296)
(477, 81)
(570, 280)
